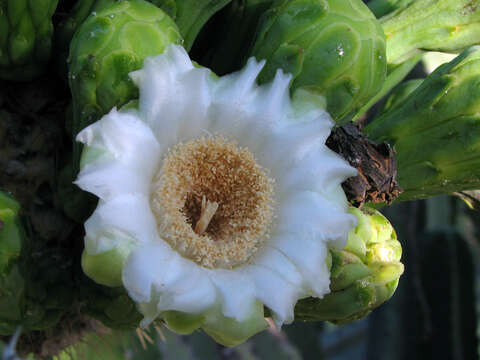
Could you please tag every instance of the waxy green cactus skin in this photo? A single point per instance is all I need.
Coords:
(334, 48)
(400, 94)
(25, 37)
(189, 15)
(363, 275)
(383, 7)
(435, 131)
(105, 49)
(431, 25)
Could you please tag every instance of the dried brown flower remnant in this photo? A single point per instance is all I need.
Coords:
(376, 165)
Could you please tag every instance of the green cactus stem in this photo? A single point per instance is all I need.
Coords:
(435, 131)
(334, 48)
(25, 37)
(108, 46)
(431, 25)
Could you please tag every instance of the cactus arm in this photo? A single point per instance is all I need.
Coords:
(124, 34)
(435, 131)
(343, 36)
(432, 25)
(25, 38)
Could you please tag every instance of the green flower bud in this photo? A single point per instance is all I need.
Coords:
(435, 130)
(224, 330)
(105, 267)
(363, 275)
(25, 37)
(334, 48)
(108, 46)
(182, 323)
(229, 332)
(432, 25)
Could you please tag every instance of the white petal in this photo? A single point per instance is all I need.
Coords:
(310, 212)
(245, 112)
(275, 292)
(274, 99)
(278, 283)
(174, 96)
(272, 259)
(239, 88)
(233, 110)
(124, 135)
(194, 97)
(123, 167)
(100, 239)
(110, 180)
(289, 143)
(319, 170)
(155, 273)
(128, 214)
(308, 253)
(236, 290)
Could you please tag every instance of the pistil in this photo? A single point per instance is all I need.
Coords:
(206, 214)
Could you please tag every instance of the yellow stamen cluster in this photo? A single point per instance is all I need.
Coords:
(213, 203)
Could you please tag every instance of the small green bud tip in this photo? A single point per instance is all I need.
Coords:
(230, 332)
(182, 323)
(105, 268)
(226, 331)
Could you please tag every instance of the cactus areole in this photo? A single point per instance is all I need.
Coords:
(217, 197)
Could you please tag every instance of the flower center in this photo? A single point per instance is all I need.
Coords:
(212, 202)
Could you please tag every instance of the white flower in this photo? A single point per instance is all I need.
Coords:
(217, 196)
